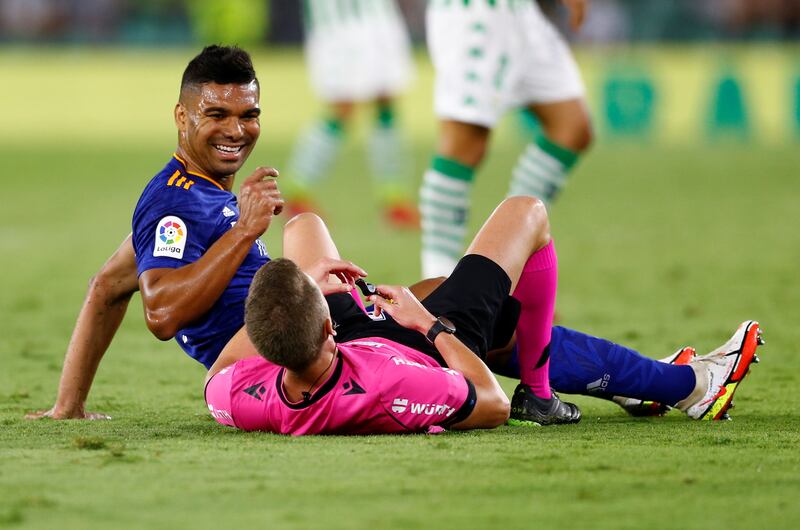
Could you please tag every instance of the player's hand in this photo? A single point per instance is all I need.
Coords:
(57, 413)
(259, 200)
(403, 307)
(335, 275)
(577, 12)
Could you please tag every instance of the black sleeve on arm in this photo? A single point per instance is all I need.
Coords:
(466, 409)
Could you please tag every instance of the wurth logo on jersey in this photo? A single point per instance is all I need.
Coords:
(400, 405)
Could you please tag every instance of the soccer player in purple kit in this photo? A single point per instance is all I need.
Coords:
(197, 249)
(196, 245)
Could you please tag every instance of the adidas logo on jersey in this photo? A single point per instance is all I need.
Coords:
(227, 212)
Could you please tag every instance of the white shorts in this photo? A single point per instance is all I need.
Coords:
(358, 53)
(491, 58)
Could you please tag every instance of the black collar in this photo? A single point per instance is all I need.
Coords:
(329, 385)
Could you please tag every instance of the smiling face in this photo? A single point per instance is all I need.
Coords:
(218, 126)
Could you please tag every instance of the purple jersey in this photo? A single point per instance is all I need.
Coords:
(377, 386)
(180, 215)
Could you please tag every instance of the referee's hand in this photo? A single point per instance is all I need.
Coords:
(401, 304)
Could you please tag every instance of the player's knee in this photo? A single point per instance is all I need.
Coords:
(303, 221)
(530, 212)
(463, 142)
(583, 135)
(574, 132)
(529, 216)
(465, 153)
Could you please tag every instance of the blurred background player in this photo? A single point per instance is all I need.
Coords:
(356, 52)
(491, 56)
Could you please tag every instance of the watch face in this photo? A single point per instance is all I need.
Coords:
(449, 327)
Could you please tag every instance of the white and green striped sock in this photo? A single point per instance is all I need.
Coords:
(541, 170)
(313, 154)
(444, 205)
(387, 158)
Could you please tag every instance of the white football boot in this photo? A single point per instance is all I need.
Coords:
(720, 372)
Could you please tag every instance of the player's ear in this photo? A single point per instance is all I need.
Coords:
(180, 117)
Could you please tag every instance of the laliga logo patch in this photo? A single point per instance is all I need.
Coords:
(171, 234)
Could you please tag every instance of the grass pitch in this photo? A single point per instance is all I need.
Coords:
(658, 248)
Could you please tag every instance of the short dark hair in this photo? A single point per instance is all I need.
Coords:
(219, 64)
(285, 315)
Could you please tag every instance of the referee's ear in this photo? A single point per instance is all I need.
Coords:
(329, 330)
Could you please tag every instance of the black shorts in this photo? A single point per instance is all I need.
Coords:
(475, 298)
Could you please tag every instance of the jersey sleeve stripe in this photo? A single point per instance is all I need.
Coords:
(173, 177)
(466, 409)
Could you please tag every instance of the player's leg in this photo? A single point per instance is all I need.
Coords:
(528, 256)
(550, 88)
(584, 364)
(389, 70)
(445, 194)
(314, 153)
(467, 47)
(306, 240)
(388, 155)
(542, 168)
(332, 57)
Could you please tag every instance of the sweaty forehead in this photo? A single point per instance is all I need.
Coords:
(217, 95)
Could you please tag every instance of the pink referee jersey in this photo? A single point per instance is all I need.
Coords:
(377, 386)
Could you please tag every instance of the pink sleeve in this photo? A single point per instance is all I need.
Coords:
(418, 396)
(218, 396)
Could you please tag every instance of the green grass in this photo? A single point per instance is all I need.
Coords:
(658, 247)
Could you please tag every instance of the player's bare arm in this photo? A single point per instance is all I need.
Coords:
(174, 297)
(102, 312)
(492, 406)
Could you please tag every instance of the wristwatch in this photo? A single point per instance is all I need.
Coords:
(441, 324)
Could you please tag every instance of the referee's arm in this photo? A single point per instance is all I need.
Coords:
(491, 405)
